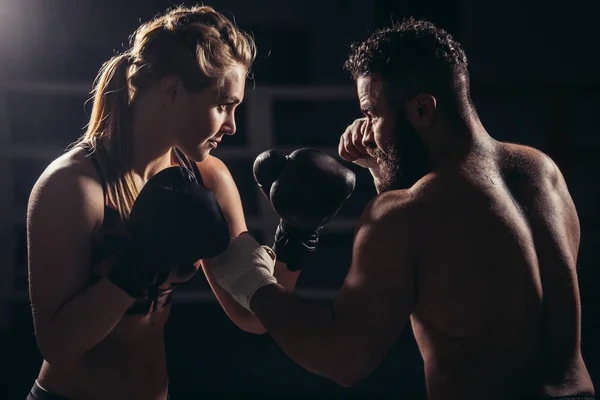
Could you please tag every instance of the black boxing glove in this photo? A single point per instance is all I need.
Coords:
(173, 221)
(307, 189)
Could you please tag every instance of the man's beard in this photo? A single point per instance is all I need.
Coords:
(403, 161)
(389, 167)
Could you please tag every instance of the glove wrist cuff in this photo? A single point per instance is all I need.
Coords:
(292, 245)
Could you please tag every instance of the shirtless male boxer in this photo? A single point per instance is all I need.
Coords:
(473, 240)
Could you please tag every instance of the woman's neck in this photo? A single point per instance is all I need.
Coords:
(151, 142)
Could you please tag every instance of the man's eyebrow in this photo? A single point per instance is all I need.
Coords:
(367, 108)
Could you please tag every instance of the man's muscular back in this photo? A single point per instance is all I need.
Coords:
(498, 311)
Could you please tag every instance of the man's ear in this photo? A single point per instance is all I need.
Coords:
(421, 110)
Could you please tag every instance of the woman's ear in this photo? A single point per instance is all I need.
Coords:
(169, 89)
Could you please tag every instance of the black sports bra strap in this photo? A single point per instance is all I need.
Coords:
(90, 154)
(197, 173)
(185, 162)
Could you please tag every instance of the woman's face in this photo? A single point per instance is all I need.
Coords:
(200, 120)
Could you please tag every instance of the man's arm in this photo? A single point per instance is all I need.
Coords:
(217, 177)
(556, 233)
(353, 148)
(347, 341)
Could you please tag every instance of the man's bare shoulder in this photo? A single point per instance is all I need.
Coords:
(391, 208)
(530, 163)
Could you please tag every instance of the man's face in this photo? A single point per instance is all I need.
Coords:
(394, 142)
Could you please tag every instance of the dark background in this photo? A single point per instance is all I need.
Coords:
(535, 81)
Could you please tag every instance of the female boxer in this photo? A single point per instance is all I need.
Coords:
(98, 310)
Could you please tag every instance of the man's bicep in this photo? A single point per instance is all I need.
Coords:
(377, 296)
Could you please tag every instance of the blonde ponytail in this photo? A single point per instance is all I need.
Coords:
(109, 133)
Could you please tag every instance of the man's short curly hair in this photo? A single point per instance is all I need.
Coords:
(412, 57)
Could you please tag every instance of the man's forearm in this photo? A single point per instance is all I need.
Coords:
(285, 277)
(241, 317)
(303, 329)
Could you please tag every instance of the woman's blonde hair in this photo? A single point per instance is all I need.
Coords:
(197, 44)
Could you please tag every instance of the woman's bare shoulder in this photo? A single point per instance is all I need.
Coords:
(68, 177)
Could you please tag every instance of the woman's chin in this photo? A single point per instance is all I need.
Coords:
(197, 154)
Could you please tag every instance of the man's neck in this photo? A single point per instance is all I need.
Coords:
(455, 141)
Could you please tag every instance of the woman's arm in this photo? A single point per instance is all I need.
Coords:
(217, 177)
(70, 317)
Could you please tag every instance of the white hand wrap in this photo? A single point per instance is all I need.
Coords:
(243, 268)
